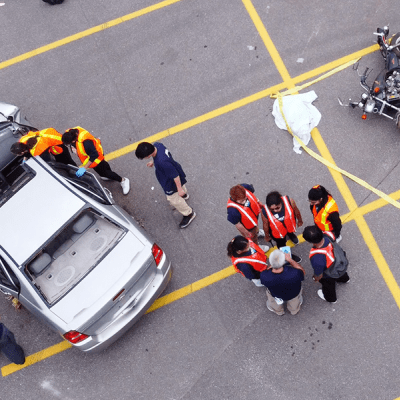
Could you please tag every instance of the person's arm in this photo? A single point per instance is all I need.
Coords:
(91, 151)
(243, 230)
(318, 263)
(178, 184)
(297, 213)
(265, 223)
(248, 271)
(294, 264)
(334, 219)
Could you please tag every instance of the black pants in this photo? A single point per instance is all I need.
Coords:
(64, 157)
(329, 286)
(10, 348)
(104, 170)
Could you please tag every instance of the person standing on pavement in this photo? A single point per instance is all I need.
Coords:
(9, 346)
(90, 152)
(171, 177)
(248, 258)
(283, 282)
(324, 260)
(43, 143)
(280, 217)
(243, 209)
(325, 211)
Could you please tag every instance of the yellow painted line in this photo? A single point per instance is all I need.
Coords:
(34, 358)
(86, 33)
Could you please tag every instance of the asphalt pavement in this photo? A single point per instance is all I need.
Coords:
(199, 74)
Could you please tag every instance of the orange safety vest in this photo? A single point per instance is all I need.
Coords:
(321, 217)
(80, 149)
(326, 251)
(279, 229)
(46, 139)
(249, 214)
(258, 260)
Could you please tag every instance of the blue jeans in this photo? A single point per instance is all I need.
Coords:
(10, 348)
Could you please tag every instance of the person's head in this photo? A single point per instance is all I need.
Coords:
(277, 259)
(237, 245)
(274, 201)
(144, 150)
(238, 194)
(70, 136)
(312, 234)
(19, 149)
(317, 195)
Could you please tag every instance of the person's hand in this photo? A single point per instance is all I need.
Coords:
(80, 172)
(287, 257)
(150, 164)
(181, 192)
(299, 224)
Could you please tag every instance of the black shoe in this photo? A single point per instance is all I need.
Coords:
(186, 196)
(187, 220)
(293, 238)
(296, 258)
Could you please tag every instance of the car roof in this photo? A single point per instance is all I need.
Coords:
(35, 213)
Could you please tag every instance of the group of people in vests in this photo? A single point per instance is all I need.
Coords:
(49, 143)
(282, 274)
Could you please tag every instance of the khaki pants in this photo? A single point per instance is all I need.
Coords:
(293, 305)
(179, 203)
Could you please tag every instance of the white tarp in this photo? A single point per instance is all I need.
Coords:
(301, 115)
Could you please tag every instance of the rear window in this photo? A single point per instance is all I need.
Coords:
(72, 254)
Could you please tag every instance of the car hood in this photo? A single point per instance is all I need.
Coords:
(93, 296)
(29, 220)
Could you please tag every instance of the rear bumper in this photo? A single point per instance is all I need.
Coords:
(125, 321)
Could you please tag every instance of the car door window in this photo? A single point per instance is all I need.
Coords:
(7, 276)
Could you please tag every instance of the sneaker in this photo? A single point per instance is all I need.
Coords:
(261, 233)
(321, 295)
(270, 309)
(187, 220)
(125, 185)
(339, 239)
(296, 258)
(103, 178)
(264, 247)
(293, 238)
(186, 196)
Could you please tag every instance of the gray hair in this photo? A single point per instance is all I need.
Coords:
(277, 259)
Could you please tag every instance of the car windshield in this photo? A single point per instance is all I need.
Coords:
(72, 254)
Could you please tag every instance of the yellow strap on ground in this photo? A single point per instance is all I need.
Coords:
(333, 166)
(328, 74)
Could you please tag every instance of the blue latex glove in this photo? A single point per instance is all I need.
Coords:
(80, 172)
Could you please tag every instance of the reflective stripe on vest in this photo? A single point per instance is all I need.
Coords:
(327, 252)
(321, 218)
(279, 229)
(46, 139)
(80, 149)
(258, 260)
(249, 218)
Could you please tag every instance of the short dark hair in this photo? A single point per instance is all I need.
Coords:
(273, 198)
(312, 234)
(69, 136)
(144, 150)
(17, 148)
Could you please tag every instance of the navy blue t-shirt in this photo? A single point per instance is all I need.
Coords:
(234, 216)
(167, 169)
(318, 261)
(246, 269)
(286, 285)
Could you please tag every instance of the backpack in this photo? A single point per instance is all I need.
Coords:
(339, 267)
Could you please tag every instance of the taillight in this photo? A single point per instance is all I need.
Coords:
(75, 337)
(364, 116)
(157, 253)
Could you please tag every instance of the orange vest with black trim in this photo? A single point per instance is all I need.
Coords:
(80, 149)
(249, 214)
(326, 251)
(279, 229)
(47, 139)
(258, 260)
(321, 217)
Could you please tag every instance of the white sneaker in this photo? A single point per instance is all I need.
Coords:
(261, 233)
(339, 239)
(125, 185)
(264, 247)
(321, 295)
